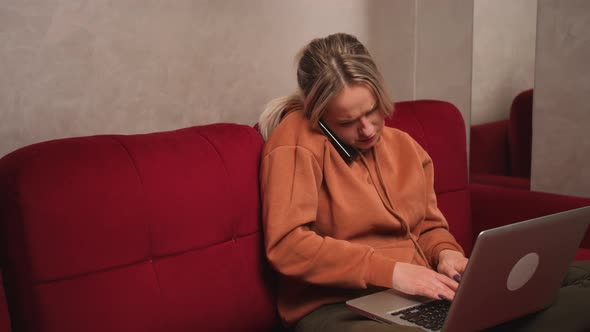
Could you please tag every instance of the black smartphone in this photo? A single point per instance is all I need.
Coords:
(347, 152)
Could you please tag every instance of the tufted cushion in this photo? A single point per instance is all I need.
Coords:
(439, 128)
(154, 232)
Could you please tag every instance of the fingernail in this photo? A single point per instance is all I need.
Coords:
(442, 297)
(457, 278)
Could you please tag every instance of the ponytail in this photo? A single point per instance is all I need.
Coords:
(275, 110)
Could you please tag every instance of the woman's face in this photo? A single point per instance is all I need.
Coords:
(354, 117)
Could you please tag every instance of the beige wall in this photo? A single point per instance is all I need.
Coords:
(72, 68)
(391, 42)
(444, 34)
(504, 33)
(561, 116)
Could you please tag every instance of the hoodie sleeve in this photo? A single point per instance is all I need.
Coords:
(433, 232)
(290, 179)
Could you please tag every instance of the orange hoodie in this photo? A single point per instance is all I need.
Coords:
(335, 231)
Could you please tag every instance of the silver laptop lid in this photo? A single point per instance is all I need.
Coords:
(516, 269)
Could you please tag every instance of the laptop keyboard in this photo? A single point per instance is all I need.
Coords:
(429, 315)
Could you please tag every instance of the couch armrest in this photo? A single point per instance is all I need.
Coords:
(493, 206)
(489, 148)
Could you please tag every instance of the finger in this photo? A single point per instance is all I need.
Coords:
(463, 266)
(457, 270)
(448, 282)
(444, 292)
(447, 297)
(432, 288)
(455, 275)
(449, 271)
(437, 288)
(437, 292)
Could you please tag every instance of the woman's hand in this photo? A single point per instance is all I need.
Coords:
(418, 280)
(452, 264)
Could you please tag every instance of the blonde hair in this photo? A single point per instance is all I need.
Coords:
(325, 66)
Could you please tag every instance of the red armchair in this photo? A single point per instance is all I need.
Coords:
(500, 151)
(4, 317)
(162, 232)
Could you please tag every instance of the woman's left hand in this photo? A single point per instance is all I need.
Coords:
(452, 264)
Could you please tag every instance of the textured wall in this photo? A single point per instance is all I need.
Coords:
(391, 40)
(504, 33)
(73, 68)
(444, 34)
(561, 121)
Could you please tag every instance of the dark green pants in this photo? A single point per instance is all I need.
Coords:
(570, 312)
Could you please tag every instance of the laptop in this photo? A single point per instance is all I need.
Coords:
(514, 270)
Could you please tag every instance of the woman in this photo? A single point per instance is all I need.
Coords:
(339, 227)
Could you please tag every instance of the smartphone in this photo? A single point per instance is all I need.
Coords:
(347, 152)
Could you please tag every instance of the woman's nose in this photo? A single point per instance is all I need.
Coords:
(365, 128)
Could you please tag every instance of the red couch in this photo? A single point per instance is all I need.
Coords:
(500, 151)
(161, 232)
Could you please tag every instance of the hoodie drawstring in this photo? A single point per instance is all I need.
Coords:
(387, 202)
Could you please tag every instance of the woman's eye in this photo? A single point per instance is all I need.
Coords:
(373, 110)
(346, 124)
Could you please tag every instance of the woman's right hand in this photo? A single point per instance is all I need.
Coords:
(418, 280)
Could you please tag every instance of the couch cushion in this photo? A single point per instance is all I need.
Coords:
(439, 128)
(154, 232)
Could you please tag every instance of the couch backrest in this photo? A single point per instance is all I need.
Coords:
(161, 232)
(439, 128)
(154, 232)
